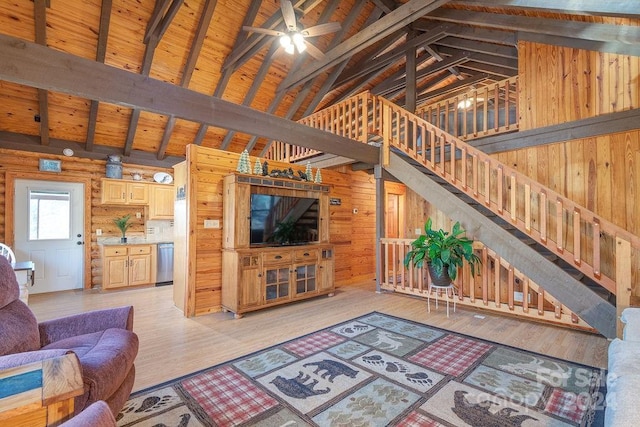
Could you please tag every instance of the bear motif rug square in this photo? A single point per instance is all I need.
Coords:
(378, 370)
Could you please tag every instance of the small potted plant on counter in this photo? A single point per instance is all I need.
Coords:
(123, 225)
(443, 252)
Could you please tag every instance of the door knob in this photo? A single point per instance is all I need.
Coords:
(79, 243)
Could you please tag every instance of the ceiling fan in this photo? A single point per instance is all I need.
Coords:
(294, 37)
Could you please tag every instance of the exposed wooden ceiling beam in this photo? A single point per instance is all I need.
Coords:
(387, 6)
(189, 67)
(478, 46)
(159, 10)
(25, 63)
(477, 77)
(485, 58)
(377, 62)
(385, 26)
(609, 47)
(624, 38)
(433, 52)
(506, 38)
(604, 124)
(166, 20)
(40, 18)
(15, 141)
(484, 67)
(101, 52)
(575, 7)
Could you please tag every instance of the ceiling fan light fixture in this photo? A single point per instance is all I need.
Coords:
(285, 41)
(298, 40)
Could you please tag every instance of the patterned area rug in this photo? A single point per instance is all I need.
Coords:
(377, 370)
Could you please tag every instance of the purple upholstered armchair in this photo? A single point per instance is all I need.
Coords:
(103, 341)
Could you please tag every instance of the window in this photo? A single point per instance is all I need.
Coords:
(49, 215)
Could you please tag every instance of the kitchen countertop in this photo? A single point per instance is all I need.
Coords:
(112, 241)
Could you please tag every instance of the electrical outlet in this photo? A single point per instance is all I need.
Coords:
(211, 223)
(98, 231)
(138, 215)
(418, 231)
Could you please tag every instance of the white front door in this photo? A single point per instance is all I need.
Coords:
(49, 226)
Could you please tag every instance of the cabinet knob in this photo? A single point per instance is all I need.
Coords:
(306, 254)
(278, 257)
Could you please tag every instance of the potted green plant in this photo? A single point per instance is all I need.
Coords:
(123, 225)
(444, 252)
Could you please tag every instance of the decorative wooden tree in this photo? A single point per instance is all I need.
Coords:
(257, 167)
(318, 177)
(309, 172)
(243, 163)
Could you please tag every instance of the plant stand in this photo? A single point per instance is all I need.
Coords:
(446, 289)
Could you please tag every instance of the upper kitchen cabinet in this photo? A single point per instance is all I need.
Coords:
(161, 201)
(119, 192)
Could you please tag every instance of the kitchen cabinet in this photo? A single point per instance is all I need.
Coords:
(119, 192)
(128, 265)
(161, 201)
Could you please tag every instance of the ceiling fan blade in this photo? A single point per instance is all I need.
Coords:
(318, 30)
(314, 51)
(263, 31)
(289, 15)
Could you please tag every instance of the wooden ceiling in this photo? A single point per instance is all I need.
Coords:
(200, 46)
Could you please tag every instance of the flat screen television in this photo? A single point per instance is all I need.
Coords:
(283, 220)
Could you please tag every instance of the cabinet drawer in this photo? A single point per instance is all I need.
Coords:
(115, 250)
(139, 250)
(306, 255)
(273, 257)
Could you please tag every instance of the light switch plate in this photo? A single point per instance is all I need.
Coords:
(211, 223)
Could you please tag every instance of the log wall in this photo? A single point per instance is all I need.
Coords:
(352, 234)
(101, 215)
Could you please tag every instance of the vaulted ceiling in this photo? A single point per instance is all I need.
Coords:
(201, 46)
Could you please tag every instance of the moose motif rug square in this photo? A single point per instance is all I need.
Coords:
(378, 370)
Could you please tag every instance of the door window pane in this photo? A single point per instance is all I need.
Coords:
(49, 215)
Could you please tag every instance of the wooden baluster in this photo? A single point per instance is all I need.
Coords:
(386, 134)
(500, 195)
(517, 104)
(443, 138)
(577, 256)
(485, 124)
(506, 105)
(559, 225)
(540, 301)
(485, 276)
(472, 287)
(514, 207)
(475, 172)
(423, 148)
(364, 135)
(543, 217)
(525, 295)
(527, 207)
(510, 289)
(475, 113)
(496, 104)
(487, 182)
(596, 248)
(496, 283)
(463, 166)
(452, 155)
(432, 143)
(386, 265)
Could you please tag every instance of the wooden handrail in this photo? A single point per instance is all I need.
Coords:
(572, 232)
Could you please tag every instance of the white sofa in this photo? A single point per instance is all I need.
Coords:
(623, 377)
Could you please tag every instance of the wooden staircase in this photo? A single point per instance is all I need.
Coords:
(553, 240)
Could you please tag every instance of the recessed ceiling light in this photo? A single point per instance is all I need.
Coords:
(67, 152)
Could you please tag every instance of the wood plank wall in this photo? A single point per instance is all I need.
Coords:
(352, 234)
(101, 215)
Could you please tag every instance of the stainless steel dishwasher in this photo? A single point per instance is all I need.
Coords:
(164, 272)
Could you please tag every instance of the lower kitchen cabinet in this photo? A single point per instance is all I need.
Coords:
(264, 277)
(128, 265)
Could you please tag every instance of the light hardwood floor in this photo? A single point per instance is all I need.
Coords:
(172, 345)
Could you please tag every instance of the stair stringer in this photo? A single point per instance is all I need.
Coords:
(572, 293)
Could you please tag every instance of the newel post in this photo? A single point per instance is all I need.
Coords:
(623, 279)
(386, 133)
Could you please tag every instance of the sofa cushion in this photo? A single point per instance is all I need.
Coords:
(9, 289)
(631, 318)
(18, 329)
(623, 358)
(106, 358)
(622, 402)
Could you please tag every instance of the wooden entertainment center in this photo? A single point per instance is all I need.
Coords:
(258, 277)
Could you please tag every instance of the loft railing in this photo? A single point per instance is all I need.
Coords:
(606, 253)
(489, 110)
(497, 286)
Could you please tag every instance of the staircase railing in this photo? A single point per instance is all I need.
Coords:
(497, 286)
(489, 110)
(599, 249)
